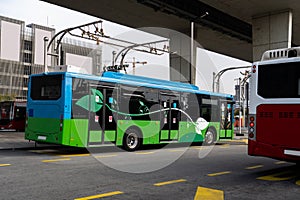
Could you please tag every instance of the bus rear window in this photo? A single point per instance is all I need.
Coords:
(46, 87)
(280, 80)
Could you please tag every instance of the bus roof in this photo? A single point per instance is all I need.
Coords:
(127, 77)
(116, 77)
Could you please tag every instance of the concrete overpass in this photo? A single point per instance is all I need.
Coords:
(238, 28)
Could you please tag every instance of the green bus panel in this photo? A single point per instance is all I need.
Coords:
(75, 132)
(228, 134)
(187, 133)
(149, 129)
(51, 130)
(110, 136)
(95, 136)
(174, 135)
(78, 132)
(164, 134)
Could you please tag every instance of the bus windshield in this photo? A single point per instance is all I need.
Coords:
(46, 87)
(283, 81)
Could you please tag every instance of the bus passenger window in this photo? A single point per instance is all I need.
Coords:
(299, 87)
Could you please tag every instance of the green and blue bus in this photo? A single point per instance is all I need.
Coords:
(83, 110)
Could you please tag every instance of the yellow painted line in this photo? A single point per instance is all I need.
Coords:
(200, 147)
(298, 182)
(237, 141)
(74, 155)
(145, 153)
(5, 165)
(281, 176)
(56, 160)
(106, 156)
(219, 173)
(169, 182)
(100, 195)
(254, 167)
(280, 162)
(208, 194)
(245, 141)
(176, 150)
(225, 146)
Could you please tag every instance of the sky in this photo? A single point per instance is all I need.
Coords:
(42, 13)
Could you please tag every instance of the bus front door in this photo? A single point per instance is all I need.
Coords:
(170, 117)
(102, 118)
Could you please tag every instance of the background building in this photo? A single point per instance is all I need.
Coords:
(22, 54)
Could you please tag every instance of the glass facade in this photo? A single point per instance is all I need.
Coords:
(14, 74)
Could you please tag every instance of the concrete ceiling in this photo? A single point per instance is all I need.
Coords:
(247, 9)
(134, 14)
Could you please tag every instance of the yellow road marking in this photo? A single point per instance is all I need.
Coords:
(105, 156)
(225, 146)
(245, 141)
(75, 155)
(176, 150)
(219, 173)
(200, 147)
(5, 165)
(169, 182)
(208, 194)
(298, 182)
(100, 195)
(254, 167)
(56, 160)
(145, 153)
(281, 176)
(280, 162)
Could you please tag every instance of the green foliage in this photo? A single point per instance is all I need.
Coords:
(7, 97)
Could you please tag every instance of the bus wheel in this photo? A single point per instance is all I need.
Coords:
(210, 137)
(132, 139)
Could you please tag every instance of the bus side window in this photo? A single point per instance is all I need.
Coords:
(79, 90)
(191, 106)
(20, 113)
(206, 113)
(138, 103)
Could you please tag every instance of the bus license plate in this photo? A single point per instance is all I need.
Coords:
(40, 137)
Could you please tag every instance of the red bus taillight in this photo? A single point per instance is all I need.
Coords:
(251, 130)
(251, 124)
(253, 69)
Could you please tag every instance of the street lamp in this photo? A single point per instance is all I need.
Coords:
(217, 76)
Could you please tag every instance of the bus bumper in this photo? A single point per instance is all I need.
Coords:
(266, 150)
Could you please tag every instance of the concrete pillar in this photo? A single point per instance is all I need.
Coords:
(180, 61)
(271, 31)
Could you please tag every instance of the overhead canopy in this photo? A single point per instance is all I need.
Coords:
(227, 29)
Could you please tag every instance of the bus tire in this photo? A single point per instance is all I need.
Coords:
(132, 139)
(210, 137)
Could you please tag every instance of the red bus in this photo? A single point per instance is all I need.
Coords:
(274, 112)
(13, 114)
